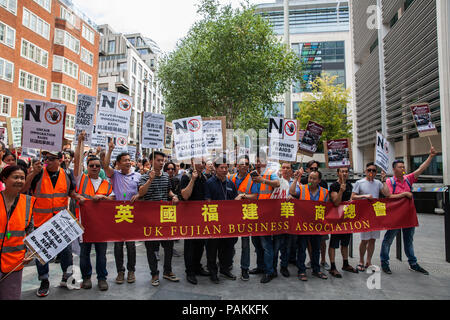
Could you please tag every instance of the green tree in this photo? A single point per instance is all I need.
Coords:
(229, 64)
(327, 105)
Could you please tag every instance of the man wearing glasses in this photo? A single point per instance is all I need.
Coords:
(52, 188)
(92, 187)
(369, 188)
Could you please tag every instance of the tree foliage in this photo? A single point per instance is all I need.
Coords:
(327, 105)
(229, 64)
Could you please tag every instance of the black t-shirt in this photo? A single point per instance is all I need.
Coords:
(175, 186)
(198, 191)
(53, 177)
(336, 186)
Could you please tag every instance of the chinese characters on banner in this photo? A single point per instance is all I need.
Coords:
(153, 220)
(43, 125)
(153, 130)
(53, 236)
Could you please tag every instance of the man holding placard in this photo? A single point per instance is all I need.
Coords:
(400, 186)
(52, 188)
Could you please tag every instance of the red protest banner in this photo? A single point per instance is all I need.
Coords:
(110, 221)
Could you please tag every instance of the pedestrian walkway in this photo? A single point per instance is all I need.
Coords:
(402, 284)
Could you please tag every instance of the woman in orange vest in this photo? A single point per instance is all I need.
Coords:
(15, 223)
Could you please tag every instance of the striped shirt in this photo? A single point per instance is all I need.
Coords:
(158, 189)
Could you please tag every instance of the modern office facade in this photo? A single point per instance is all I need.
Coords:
(398, 63)
(319, 33)
(48, 51)
(128, 64)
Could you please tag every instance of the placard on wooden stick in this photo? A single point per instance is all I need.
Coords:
(338, 153)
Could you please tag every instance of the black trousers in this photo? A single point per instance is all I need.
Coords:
(193, 252)
(131, 256)
(151, 247)
(224, 250)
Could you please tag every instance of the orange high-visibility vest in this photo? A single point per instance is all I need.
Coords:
(86, 189)
(50, 200)
(265, 190)
(12, 250)
(305, 194)
(246, 184)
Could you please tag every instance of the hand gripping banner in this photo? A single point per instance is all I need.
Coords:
(110, 221)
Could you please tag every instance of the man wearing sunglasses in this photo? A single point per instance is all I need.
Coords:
(369, 188)
(91, 187)
(52, 188)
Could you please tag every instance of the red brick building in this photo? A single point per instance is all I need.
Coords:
(48, 51)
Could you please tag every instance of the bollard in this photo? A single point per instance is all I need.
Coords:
(447, 223)
(399, 244)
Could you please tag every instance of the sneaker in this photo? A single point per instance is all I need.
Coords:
(386, 269)
(285, 272)
(171, 277)
(87, 284)
(63, 282)
(120, 277)
(256, 271)
(308, 265)
(102, 285)
(266, 278)
(43, 289)
(244, 275)
(325, 265)
(131, 277)
(418, 268)
(228, 275)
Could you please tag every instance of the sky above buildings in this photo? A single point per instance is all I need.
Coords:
(164, 21)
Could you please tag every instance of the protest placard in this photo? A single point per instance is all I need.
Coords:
(98, 139)
(382, 152)
(4, 136)
(53, 236)
(114, 113)
(14, 126)
(121, 145)
(422, 119)
(310, 140)
(283, 150)
(132, 150)
(168, 140)
(338, 153)
(85, 116)
(153, 130)
(214, 130)
(283, 129)
(43, 125)
(188, 138)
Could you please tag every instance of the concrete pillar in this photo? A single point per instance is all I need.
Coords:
(443, 28)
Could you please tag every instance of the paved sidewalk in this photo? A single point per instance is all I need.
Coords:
(402, 284)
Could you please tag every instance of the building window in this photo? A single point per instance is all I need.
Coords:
(5, 105)
(46, 4)
(88, 34)
(87, 56)
(67, 15)
(32, 83)
(20, 106)
(65, 39)
(7, 35)
(435, 168)
(36, 24)
(133, 66)
(33, 53)
(64, 93)
(6, 70)
(112, 46)
(70, 121)
(64, 65)
(85, 79)
(10, 5)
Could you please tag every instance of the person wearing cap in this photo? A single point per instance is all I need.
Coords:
(368, 188)
(400, 185)
(91, 186)
(52, 188)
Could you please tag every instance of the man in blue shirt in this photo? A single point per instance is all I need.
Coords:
(219, 187)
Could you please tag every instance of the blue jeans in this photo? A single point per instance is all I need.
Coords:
(315, 252)
(408, 237)
(66, 261)
(259, 252)
(100, 260)
(282, 244)
(245, 253)
(267, 244)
